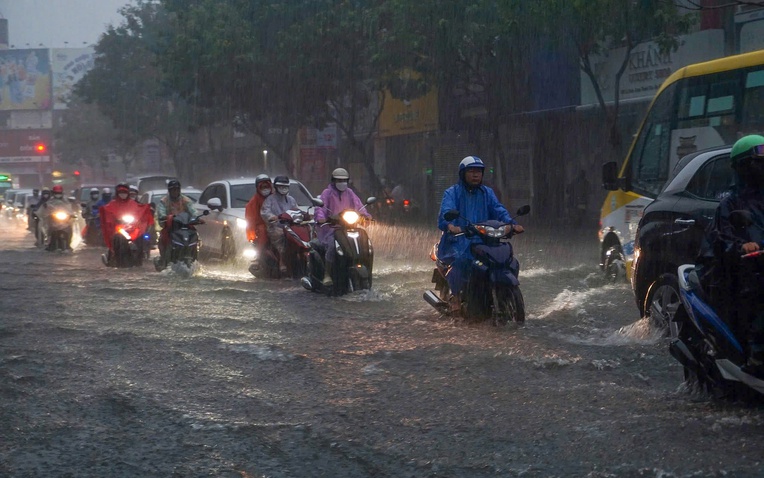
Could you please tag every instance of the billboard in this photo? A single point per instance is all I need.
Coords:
(409, 116)
(25, 80)
(68, 66)
(24, 146)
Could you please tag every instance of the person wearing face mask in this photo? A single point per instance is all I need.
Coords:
(273, 206)
(732, 283)
(112, 214)
(172, 204)
(257, 229)
(57, 202)
(337, 197)
(133, 194)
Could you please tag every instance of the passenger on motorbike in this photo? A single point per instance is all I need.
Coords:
(106, 198)
(337, 197)
(32, 207)
(257, 229)
(111, 216)
(734, 285)
(275, 205)
(57, 202)
(90, 208)
(475, 203)
(133, 192)
(172, 204)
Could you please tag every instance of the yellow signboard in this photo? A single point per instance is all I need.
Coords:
(409, 116)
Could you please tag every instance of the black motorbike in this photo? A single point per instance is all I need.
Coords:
(184, 240)
(493, 290)
(129, 244)
(353, 259)
(59, 230)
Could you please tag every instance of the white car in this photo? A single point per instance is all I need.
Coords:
(224, 233)
(156, 195)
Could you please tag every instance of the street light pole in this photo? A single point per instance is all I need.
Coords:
(265, 161)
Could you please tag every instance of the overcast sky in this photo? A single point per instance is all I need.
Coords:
(54, 22)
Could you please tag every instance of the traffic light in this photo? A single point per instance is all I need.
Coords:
(76, 175)
(40, 148)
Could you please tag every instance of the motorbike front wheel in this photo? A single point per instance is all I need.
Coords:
(508, 305)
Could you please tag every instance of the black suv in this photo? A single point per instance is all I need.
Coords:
(672, 228)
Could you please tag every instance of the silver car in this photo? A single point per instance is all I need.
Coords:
(224, 234)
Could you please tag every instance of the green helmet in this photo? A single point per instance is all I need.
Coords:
(743, 148)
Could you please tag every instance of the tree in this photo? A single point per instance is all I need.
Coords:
(86, 135)
(598, 26)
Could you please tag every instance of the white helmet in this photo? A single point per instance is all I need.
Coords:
(340, 174)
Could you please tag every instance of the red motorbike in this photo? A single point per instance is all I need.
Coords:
(299, 230)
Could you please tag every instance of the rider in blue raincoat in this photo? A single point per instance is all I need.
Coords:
(475, 202)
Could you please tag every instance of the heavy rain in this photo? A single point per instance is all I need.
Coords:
(125, 351)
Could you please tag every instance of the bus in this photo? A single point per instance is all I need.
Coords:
(700, 106)
(6, 183)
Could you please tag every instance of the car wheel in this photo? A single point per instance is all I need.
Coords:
(662, 301)
(227, 247)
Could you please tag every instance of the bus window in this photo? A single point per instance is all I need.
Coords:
(648, 162)
(752, 115)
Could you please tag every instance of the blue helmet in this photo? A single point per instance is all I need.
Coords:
(470, 162)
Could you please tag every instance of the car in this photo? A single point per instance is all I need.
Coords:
(14, 202)
(153, 196)
(152, 181)
(224, 233)
(673, 226)
(82, 193)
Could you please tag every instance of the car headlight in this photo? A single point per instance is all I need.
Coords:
(241, 223)
(350, 217)
(128, 219)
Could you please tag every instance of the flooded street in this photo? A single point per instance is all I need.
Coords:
(109, 372)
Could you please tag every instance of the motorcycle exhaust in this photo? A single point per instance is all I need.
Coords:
(432, 299)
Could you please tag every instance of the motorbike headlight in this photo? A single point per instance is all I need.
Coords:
(249, 253)
(350, 217)
(61, 215)
(128, 219)
(491, 231)
(241, 223)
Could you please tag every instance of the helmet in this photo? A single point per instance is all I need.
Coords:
(281, 181)
(340, 174)
(751, 146)
(58, 189)
(262, 178)
(173, 183)
(133, 188)
(106, 191)
(122, 188)
(471, 162)
(93, 190)
(45, 192)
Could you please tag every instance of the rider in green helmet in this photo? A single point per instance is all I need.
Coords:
(730, 281)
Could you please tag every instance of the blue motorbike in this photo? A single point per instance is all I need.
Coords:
(493, 289)
(709, 349)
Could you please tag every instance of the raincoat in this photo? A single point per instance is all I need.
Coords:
(49, 207)
(275, 205)
(257, 230)
(335, 201)
(476, 204)
(111, 215)
(167, 207)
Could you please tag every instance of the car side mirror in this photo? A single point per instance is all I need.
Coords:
(215, 204)
(451, 215)
(610, 176)
(523, 210)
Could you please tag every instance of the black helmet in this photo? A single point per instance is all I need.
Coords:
(281, 181)
(173, 183)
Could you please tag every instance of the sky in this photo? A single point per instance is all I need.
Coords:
(58, 23)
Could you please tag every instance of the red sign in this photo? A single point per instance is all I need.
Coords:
(24, 146)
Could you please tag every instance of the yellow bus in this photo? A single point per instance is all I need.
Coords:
(700, 106)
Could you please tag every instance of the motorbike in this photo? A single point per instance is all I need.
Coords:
(91, 233)
(353, 261)
(128, 243)
(493, 289)
(710, 350)
(184, 240)
(299, 230)
(59, 230)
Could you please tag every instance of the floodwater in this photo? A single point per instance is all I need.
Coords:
(212, 372)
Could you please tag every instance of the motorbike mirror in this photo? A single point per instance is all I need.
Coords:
(523, 210)
(371, 200)
(451, 215)
(741, 218)
(215, 203)
(206, 212)
(317, 202)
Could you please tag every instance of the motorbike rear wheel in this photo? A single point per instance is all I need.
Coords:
(508, 305)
